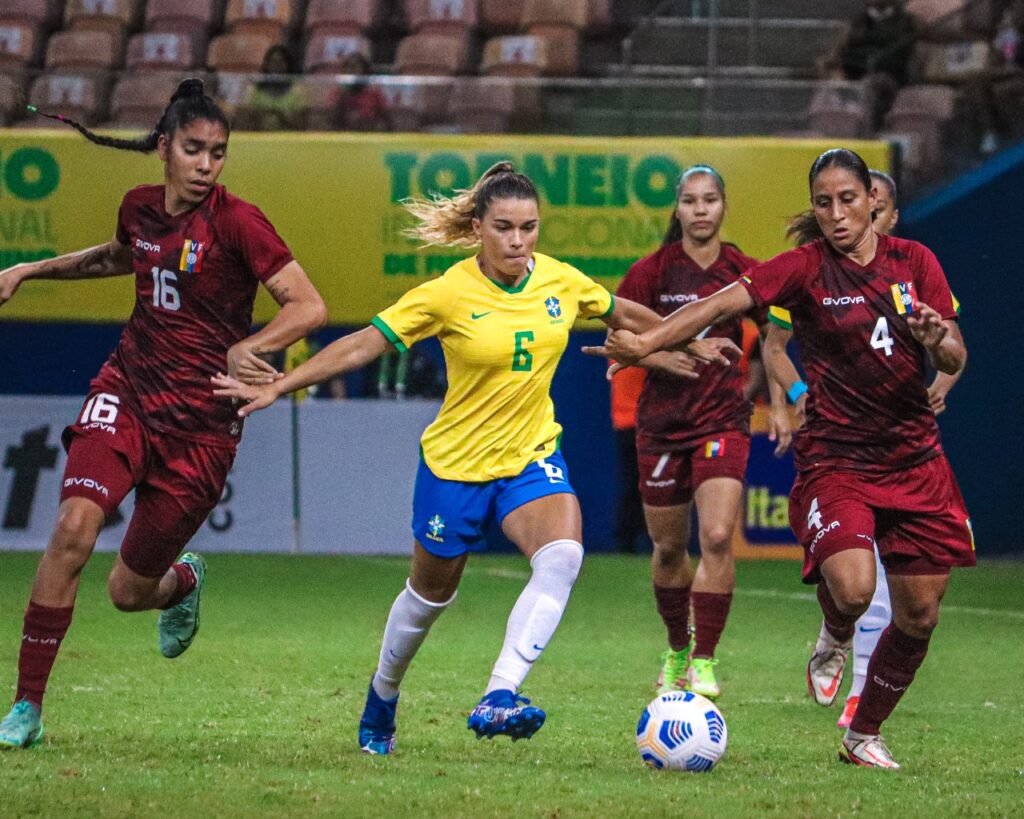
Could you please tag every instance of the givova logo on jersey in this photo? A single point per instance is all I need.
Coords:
(191, 256)
(814, 521)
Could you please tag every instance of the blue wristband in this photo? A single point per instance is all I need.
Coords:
(798, 389)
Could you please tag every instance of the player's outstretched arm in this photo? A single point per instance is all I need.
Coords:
(940, 338)
(302, 311)
(111, 259)
(340, 357)
(679, 328)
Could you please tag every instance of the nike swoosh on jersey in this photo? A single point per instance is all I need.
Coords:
(866, 630)
(476, 316)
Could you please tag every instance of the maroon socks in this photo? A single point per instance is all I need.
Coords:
(43, 632)
(839, 625)
(674, 608)
(710, 611)
(186, 583)
(890, 672)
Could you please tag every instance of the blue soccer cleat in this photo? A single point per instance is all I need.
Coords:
(377, 725)
(22, 727)
(503, 713)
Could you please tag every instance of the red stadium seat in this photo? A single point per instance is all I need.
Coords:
(515, 57)
(331, 53)
(37, 14)
(342, 16)
(501, 16)
(160, 51)
(441, 16)
(83, 50)
(921, 111)
(18, 46)
(238, 52)
(114, 16)
(270, 18)
(76, 96)
(571, 13)
(139, 100)
(432, 54)
(191, 17)
(839, 111)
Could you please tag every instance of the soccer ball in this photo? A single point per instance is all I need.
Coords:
(681, 731)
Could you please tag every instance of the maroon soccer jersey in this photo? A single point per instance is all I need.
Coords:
(674, 413)
(867, 407)
(196, 276)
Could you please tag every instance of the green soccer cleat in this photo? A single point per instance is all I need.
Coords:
(673, 670)
(700, 678)
(22, 727)
(179, 624)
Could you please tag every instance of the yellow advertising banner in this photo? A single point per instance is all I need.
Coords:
(336, 200)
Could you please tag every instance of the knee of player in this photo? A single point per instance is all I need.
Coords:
(78, 526)
(715, 537)
(561, 557)
(669, 552)
(920, 622)
(124, 595)
(854, 600)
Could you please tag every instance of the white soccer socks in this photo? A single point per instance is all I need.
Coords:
(537, 612)
(408, 623)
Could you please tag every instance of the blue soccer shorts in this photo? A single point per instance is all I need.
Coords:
(449, 518)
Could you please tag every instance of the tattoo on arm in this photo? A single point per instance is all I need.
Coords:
(93, 263)
(279, 292)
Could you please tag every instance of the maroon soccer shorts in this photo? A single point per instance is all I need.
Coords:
(671, 479)
(916, 516)
(177, 482)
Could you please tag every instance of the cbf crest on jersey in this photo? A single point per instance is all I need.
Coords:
(191, 256)
(554, 307)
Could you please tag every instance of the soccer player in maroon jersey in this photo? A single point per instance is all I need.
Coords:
(868, 311)
(150, 422)
(869, 627)
(693, 436)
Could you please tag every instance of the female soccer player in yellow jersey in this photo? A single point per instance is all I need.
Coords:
(503, 318)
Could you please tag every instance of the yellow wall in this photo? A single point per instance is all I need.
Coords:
(334, 199)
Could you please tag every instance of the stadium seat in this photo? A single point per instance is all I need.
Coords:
(18, 46)
(139, 100)
(417, 105)
(432, 54)
(330, 53)
(321, 94)
(191, 17)
(114, 16)
(79, 97)
(160, 51)
(571, 13)
(340, 17)
(482, 106)
(921, 111)
(37, 14)
(944, 20)
(599, 16)
(270, 18)
(501, 16)
(441, 16)
(83, 50)
(952, 62)
(839, 111)
(515, 57)
(563, 45)
(238, 52)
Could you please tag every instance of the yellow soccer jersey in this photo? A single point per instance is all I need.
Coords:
(501, 346)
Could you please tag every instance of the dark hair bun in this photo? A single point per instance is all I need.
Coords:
(192, 87)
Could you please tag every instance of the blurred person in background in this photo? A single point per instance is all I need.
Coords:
(359, 105)
(276, 101)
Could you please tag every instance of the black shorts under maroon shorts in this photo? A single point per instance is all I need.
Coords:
(177, 482)
(917, 517)
(671, 478)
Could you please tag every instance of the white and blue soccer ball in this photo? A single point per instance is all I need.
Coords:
(681, 731)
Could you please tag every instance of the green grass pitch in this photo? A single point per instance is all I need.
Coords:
(259, 717)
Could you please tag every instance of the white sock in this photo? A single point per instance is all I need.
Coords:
(869, 629)
(408, 623)
(537, 612)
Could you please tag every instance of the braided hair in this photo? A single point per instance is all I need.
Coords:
(189, 103)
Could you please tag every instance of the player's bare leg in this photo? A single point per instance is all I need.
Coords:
(718, 507)
(672, 578)
(844, 595)
(48, 616)
(430, 589)
(548, 531)
(900, 652)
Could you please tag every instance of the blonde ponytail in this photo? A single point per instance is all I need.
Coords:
(448, 220)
